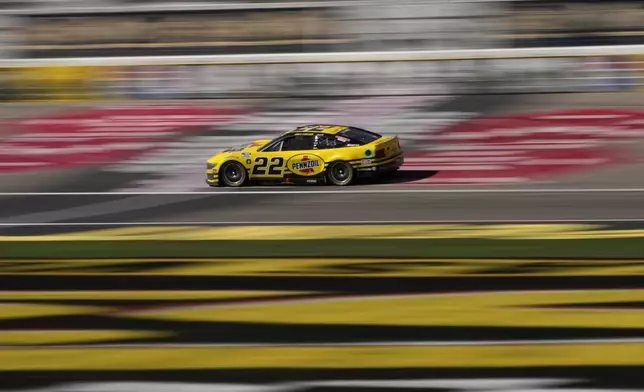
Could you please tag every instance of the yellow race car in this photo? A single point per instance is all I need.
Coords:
(312, 154)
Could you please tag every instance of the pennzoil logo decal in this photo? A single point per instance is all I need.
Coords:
(306, 164)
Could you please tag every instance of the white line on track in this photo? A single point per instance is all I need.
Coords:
(375, 222)
(332, 192)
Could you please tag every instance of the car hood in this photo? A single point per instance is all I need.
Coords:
(246, 148)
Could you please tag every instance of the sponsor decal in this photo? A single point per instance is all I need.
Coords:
(366, 162)
(574, 322)
(306, 164)
(246, 155)
(368, 153)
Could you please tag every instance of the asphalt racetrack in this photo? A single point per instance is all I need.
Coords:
(325, 205)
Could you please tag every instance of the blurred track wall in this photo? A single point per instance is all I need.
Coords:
(52, 83)
(321, 79)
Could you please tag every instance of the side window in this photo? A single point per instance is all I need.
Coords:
(298, 142)
(323, 141)
(360, 136)
(274, 147)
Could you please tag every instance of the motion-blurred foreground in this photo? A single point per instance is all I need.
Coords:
(506, 255)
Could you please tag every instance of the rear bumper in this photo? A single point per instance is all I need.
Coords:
(385, 167)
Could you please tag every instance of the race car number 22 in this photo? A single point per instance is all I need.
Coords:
(274, 169)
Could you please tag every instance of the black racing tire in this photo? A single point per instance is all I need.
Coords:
(340, 173)
(233, 174)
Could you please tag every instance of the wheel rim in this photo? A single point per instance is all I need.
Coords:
(341, 173)
(233, 174)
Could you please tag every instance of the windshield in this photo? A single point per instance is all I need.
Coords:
(360, 135)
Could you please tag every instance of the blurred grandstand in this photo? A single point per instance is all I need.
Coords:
(72, 28)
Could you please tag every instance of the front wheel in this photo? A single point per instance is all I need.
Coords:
(233, 174)
(340, 173)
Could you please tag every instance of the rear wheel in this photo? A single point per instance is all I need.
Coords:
(233, 174)
(340, 173)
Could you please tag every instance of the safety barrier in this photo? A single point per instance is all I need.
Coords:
(492, 71)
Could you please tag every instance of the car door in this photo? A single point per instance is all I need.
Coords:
(272, 164)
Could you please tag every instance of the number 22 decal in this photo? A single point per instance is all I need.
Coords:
(275, 168)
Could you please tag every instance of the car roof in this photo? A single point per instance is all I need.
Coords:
(329, 129)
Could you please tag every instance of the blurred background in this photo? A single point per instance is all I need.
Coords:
(506, 255)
